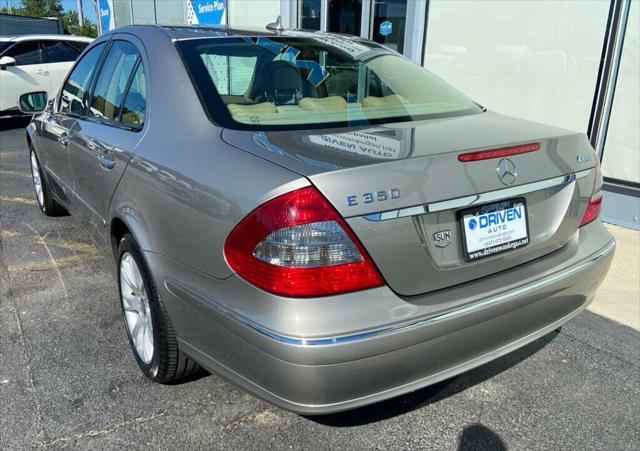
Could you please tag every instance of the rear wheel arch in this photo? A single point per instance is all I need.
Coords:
(118, 230)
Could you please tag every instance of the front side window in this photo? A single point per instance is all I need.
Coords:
(58, 52)
(111, 85)
(75, 88)
(300, 82)
(25, 53)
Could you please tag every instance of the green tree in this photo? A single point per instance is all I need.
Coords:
(40, 8)
(72, 25)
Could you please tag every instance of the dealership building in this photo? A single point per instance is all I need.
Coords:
(569, 63)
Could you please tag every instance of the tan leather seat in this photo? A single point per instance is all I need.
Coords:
(250, 110)
(392, 100)
(313, 104)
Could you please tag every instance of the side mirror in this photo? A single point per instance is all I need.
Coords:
(32, 102)
(7, 61)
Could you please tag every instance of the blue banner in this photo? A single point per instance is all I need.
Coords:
(209, 12)
(106, 16)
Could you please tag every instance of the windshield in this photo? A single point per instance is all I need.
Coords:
(312, 82)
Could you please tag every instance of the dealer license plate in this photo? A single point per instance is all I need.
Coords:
(495, 228)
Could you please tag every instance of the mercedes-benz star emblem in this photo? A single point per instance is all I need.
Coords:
(507, 172)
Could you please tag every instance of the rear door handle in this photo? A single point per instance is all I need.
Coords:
(63, 138)
(106, 160)
(42, 72)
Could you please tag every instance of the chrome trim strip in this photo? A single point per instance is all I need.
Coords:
(178, 289)
(475, 199)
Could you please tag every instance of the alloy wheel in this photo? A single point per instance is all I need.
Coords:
(135, 303)
(37, 181)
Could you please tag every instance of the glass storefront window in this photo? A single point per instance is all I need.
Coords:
(122, 12)
(170, 12)
(258, 13)
(345, 16)
(534, 60)
(144, 11)
(310, 11)
(388, 24)
(621, 156)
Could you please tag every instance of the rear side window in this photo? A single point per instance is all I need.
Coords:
(25, 53)
(135, 104)
(112, 82)
(76, 87)
(58, 52)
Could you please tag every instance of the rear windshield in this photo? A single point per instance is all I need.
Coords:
(313, 82)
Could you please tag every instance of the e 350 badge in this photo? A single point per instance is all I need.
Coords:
(374, 196)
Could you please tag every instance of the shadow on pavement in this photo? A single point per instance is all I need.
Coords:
(432, 394)
(8, 123)
(479, 437)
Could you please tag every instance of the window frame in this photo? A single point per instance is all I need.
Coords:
(89, 94)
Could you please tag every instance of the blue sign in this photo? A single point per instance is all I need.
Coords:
(386, 28)
(209, 12)
(106, 17)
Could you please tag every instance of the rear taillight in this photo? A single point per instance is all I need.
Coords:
(297, 245)
(595, 203)
(593, 209)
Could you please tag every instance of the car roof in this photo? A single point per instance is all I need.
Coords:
(44, 37)
(182, 32)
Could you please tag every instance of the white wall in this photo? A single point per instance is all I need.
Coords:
(537, 60)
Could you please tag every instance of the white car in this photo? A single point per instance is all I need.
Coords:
(35, 63)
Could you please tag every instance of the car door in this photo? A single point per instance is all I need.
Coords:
(109, 133)
(59, 56)
(60, 123)
(27, 75)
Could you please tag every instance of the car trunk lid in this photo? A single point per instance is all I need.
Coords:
(404, 191)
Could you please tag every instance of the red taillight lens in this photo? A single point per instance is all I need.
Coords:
(593, 209)
(297, 245)
(498, 153)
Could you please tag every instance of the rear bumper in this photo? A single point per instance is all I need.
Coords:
(328, 374)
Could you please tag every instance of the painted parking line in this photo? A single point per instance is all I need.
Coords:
(45, 265)
(17, 200)
(20, 174)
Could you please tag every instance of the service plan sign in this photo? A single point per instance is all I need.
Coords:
(205, 12)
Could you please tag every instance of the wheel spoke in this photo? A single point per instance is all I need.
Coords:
(127, 272)
(130, 302)
(148, 344)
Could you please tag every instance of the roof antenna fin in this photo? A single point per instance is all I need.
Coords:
(276, 26)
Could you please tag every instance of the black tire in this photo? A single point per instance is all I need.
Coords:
(168, 363)
(48, 204)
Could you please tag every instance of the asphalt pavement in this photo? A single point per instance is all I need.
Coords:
(68, 379)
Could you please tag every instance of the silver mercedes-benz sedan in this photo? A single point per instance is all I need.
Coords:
(313, 216)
